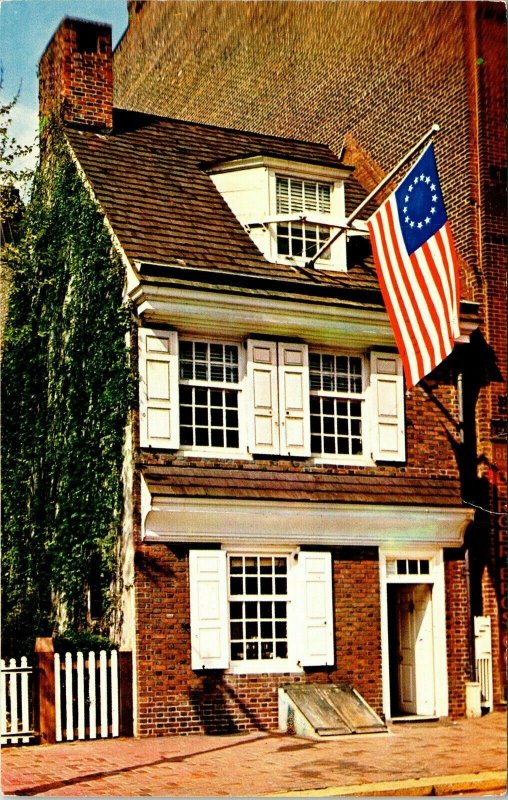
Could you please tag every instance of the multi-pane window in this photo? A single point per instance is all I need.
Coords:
(209, 385)
(295, 196)
(408, 566)
(258, 607)
(336, 404)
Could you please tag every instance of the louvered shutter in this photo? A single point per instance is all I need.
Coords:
(314, 607)
(158, 388)
(263, 412)
(208, 609)
(387, 387)
(294, 399)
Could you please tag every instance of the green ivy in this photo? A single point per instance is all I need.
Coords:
(67, 390)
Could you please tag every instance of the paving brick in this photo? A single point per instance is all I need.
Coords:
(254, 763)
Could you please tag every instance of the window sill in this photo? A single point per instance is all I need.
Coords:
(263, 667)
(225, 453)
(321, 263)
(343, 461)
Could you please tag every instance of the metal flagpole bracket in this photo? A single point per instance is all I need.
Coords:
(430, 133)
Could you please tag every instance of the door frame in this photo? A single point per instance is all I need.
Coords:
(435, 579)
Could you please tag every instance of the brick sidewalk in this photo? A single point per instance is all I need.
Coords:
(257, 763)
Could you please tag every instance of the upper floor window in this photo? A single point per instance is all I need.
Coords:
(265, 397)
(302, 238)
(209, 386)
(336, 404)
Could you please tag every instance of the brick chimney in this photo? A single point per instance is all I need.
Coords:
(76, 75)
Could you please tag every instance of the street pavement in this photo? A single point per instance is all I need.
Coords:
(446, 757)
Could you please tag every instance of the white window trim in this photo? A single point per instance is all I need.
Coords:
(337, 262)
(241, 452)
(276, 665)
(342, 459)
(436, 578)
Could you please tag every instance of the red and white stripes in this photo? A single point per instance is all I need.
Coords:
(420, 291)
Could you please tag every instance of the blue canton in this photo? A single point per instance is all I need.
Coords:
(420, 202)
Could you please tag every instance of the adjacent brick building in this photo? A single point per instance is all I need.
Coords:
(292, 514)
(368, 79)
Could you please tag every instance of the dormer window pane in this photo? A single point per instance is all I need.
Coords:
(295, 196)
(310, 196)
(301, 239)
(282, 196)
(324, 198)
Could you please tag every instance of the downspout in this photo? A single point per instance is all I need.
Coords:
(467, 567)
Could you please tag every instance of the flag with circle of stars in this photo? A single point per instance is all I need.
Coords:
(417, 268)
(420, 202)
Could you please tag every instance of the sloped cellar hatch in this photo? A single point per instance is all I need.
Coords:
(320, 710)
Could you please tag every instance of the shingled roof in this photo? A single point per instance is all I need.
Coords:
(150, 177)
(274, 482)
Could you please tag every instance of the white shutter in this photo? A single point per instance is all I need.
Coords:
(294, 399)
(387, 388)
(313, 588)
(208, 609)
(263, 412)
(158, 388)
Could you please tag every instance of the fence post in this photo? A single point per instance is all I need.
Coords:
(45, 719)
(126, 720)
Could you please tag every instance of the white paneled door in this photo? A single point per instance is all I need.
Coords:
(415, 649)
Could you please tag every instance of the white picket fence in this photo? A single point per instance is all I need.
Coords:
(86, 696)
(16, 716)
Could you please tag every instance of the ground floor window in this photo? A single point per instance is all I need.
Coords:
(261, 611)
(258, 607)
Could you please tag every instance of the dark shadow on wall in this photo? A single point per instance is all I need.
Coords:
(219, 707)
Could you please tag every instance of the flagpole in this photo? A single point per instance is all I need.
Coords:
(435, 128)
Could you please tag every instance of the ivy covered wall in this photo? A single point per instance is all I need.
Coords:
(66, 390)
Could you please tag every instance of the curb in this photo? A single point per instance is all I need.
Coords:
(440, 786)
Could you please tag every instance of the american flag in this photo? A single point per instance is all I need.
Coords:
(416, 264)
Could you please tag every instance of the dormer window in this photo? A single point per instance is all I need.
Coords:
(302, 237)
(289, 208)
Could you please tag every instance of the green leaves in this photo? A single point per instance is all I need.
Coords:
(67, 391)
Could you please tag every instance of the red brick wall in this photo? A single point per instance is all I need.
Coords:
(458, 639)
(76, 75)
(173, 698)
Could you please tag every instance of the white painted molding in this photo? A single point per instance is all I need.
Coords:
(327, 524)
(316, 323)
(294, 167)
(435, 578)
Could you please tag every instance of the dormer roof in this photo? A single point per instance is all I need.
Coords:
(151, 178)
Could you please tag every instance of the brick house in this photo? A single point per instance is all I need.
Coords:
(367, 79)
(292, 514)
